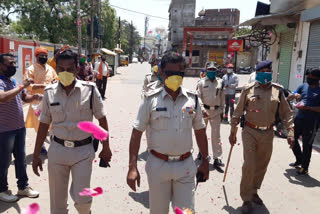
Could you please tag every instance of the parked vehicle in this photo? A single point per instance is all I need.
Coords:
(124, 60)
(245, 70)
(135, 60)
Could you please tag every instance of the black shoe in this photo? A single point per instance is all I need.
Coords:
(257, 200)
(43, 151)
(246, 207)
(199, 156)
(302, 171)
(218, 162)
(295, 164)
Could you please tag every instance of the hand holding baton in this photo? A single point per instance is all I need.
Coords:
(232, 145)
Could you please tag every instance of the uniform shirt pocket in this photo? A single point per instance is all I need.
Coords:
(253, 103)
(160, 119)
(57, 113)
(187, 118)
(85, 111)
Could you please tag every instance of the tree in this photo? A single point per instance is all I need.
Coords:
(243, 31)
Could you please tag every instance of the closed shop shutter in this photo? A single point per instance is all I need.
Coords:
(313, 54)
(286, 46)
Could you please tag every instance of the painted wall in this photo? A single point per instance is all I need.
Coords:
(298, 63)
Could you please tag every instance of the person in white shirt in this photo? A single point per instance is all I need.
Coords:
(102, 72)
(231, 82)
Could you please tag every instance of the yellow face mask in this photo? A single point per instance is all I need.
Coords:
(66, 78)
(155, 68)
(173, 82)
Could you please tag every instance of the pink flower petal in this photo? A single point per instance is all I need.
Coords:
(91, 192)
(98, 132)
(31, 209)
(232, 100)
(177, 210)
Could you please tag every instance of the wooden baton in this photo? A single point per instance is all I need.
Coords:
(234, 138)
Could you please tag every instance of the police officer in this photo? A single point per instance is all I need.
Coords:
(151, 77)
(260, 101)
(172, 112)
(210, 91)
(71, 151)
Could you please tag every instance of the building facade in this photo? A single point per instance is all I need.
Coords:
(181, 14)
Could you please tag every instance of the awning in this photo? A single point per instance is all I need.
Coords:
(272, 19)
(108, 52)
(118, 50)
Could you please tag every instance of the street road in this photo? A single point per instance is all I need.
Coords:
(282, 191)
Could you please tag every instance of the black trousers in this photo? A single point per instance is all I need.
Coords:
(102, 86)
(307, 130)
(229, 99)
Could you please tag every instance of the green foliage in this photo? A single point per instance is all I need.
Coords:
(55, 21)
(243, 31)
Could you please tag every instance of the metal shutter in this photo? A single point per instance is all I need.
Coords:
(286, 46)
(313, 53)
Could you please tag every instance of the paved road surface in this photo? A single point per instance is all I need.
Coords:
(282, 191)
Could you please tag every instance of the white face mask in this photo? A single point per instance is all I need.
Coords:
(229, 71)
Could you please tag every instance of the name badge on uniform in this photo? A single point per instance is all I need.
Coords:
(205, 86)
(161, 109)
(54, 104)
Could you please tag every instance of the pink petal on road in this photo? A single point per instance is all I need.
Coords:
(91, 192)
(31, 209)
(177, 210)
(98, 132)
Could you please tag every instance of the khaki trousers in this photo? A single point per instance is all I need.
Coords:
(257, 150)
(62, 161)
(170, 181)
(215, 135)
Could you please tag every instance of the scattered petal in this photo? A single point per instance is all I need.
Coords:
(98, 132)
(91, 192)
(33, 208)
(177, 210)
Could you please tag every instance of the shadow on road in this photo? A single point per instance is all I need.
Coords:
(5, 206)
(306, 181)
(142, 198)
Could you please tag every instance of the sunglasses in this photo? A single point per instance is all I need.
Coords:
(172, 73)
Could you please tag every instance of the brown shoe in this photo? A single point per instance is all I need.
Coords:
(246, 207)
(257, 200)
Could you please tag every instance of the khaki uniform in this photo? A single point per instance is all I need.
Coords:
(171, 125)
(65, 111)
(260, 106)
(211, 94)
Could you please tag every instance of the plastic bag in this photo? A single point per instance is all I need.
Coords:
(37, 108)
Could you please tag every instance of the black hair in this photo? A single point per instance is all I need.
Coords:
(67, 54)
(56, 51)
(314, 72)
(2, 56)
(172, 57)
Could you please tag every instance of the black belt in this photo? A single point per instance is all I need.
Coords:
(72, 144)
(210, 108)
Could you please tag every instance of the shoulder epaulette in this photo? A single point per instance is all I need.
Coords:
(249, 85)
(277, 85)
(153, 92)
(52, 86)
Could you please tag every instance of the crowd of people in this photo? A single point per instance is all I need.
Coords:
(73, 89)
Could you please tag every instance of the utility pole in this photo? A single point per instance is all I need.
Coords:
(91, 27)
(146, 25)
(79, 27)
(99, 27)
(119, 39)
(131, 43)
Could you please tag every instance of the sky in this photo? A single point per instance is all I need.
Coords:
(160, 8)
